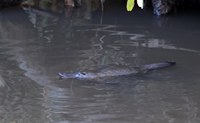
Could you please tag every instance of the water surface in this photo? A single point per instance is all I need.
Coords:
(36, 44)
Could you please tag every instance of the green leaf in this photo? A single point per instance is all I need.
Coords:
(130, 4)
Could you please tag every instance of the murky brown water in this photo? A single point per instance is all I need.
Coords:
(35, 45)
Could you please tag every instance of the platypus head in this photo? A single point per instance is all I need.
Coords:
(79, 75)
(85, 75)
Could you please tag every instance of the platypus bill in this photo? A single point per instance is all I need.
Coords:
(115, 70)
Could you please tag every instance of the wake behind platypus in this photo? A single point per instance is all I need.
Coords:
(115, 70)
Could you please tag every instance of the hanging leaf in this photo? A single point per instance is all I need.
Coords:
(140, 3)
(130, 4)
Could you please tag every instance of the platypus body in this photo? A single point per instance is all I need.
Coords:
(115, 70)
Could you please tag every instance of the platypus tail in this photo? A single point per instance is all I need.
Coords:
(156, 66)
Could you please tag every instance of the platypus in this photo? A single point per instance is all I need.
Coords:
(115, 70)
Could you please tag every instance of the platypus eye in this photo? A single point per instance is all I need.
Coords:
(83, 73)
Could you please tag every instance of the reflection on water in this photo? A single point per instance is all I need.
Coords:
(2, 82)
(39, 44)
(66, 7)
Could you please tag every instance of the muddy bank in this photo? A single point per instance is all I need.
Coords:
(159, 7)
(163, 7)
(9, 3)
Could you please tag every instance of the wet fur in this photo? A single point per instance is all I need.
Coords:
(115, 70)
